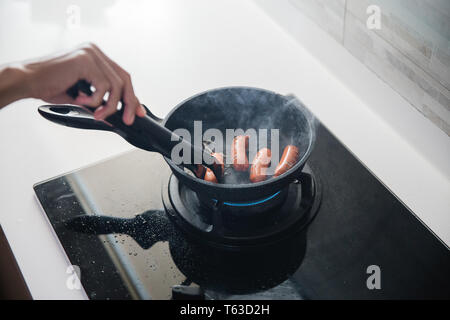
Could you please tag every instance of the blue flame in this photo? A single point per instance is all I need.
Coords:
(247, 204)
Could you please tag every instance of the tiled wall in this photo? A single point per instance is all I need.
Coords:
(411, 51)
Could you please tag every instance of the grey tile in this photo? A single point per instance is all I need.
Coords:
(440, 65)
(424, 92)
(411, 52)
(445, 101)
(444, 126)
(434, 14)
(328, 14)
(423, 41)
(408, 40)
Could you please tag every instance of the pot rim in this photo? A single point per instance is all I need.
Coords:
(272, 180)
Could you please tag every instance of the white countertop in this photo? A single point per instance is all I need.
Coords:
(173, 50)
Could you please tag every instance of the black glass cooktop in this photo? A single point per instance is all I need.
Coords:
(362, 244)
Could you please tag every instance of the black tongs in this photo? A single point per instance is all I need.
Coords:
(146, 133)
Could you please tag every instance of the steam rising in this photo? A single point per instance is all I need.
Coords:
(248, 111)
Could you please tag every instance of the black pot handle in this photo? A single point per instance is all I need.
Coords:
(74, 116)
(146, 133)
(85, 87)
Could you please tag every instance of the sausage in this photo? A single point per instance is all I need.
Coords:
(259, 165)
(200, 171)
(218, 162)
(239, 153)
(209, 176)
(288, 160)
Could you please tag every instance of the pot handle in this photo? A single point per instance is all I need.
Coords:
(85, 87)
(73, 116)
(147, 132)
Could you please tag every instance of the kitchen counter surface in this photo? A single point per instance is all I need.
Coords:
(173, 50)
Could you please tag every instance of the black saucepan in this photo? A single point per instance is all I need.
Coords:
(245, 107)
(230, 108)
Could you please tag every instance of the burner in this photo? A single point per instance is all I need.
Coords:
(112, 224)
(239, 225)
(238, 209)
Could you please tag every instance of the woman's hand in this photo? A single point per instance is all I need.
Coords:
(49, 80)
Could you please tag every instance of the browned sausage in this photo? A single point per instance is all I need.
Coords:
(288, 160)
(209, 176)
(259, 165)
(239, 153)
(200, 171)
(218, 161)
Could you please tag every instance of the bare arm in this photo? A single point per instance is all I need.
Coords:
(12, 84)
(48, 79)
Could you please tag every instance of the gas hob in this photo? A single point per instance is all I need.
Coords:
(135, 233)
